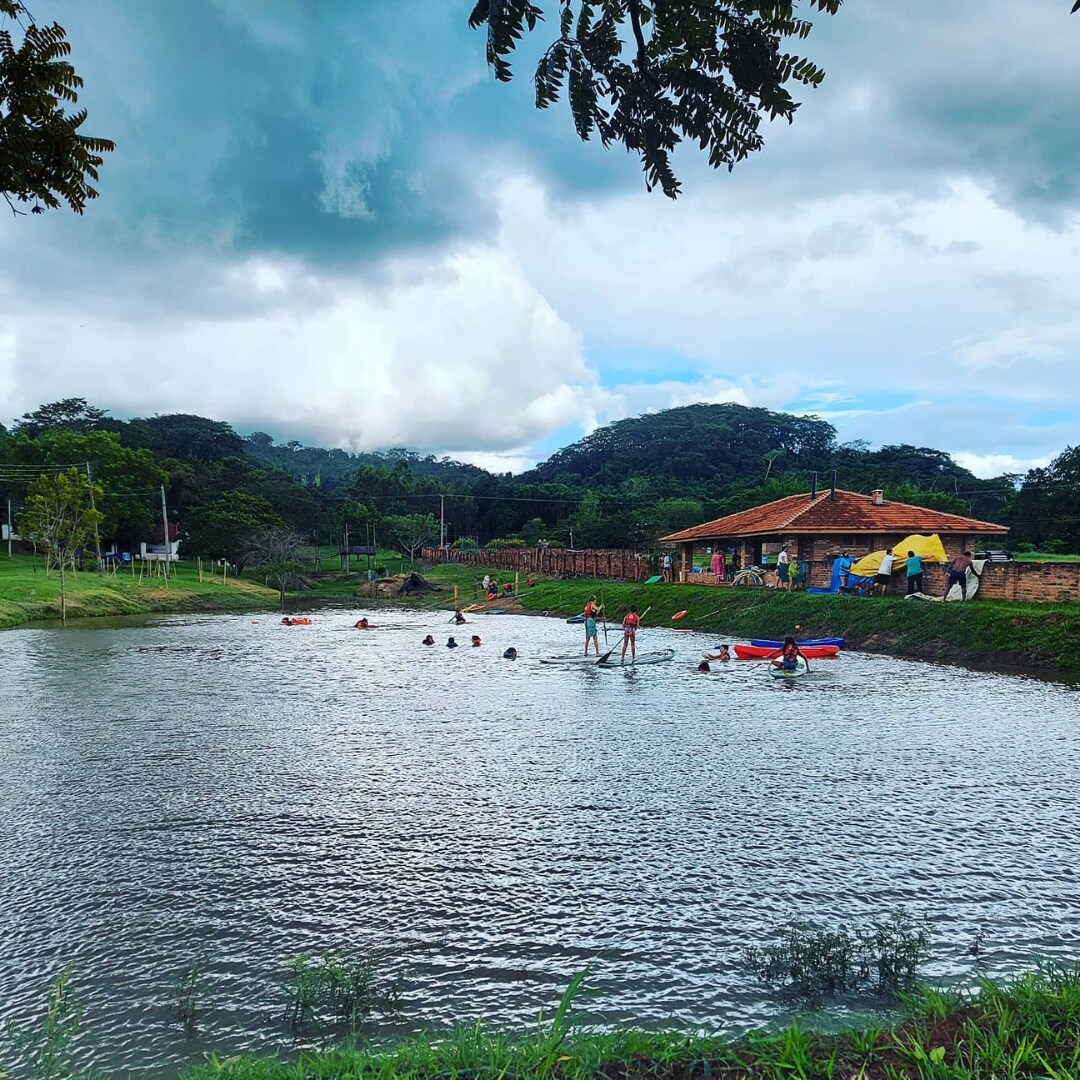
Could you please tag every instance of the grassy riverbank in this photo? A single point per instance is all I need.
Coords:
(984, 631)
(1027, 1029)
(26, 596)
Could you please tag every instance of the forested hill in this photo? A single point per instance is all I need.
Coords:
(737, 448)
(714, 443)
(623, 485)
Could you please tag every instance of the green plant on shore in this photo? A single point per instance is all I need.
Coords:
(45, 1050)
(816, 962)
(1026, 1029)
(344, 986)
(188, 989)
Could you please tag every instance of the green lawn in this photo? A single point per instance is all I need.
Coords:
(1044, 556)
(26, 595)
(1027, 1029)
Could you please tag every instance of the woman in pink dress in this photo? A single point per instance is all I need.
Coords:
(718, 567)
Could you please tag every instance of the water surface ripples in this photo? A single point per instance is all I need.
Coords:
(229, 788)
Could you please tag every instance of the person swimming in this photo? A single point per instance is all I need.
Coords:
(704, 666)
(451, 643)
(510, 654)
(363, 624)
(723, 654)
(476, 641)
(429, 640)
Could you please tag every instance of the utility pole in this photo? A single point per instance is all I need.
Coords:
(442, 522)
(165, 528)
(9, 527)
(97, 531)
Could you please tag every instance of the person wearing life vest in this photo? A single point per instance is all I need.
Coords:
(629, 641)
(788, 656)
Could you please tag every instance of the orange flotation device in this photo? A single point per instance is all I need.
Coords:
(295, 622)
(678, 615)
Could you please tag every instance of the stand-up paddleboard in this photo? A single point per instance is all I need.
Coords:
(656, 657)
(802, 667)
(577, 658)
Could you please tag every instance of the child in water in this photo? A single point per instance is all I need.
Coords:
(429, 640)
(723, 654)
(451, 643)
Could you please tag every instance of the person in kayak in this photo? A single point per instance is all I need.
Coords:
(429, 640)
(788, 656)
(458, 617)
(629, 640)
(591, 610)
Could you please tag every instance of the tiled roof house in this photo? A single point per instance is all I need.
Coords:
(818, 525)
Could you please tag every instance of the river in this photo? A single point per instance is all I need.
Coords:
(228, 790)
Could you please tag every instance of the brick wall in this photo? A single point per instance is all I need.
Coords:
(1040, 582)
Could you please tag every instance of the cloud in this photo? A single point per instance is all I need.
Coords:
(326, 220)
(469, 357)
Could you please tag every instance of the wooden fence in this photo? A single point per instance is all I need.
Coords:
(551, 562)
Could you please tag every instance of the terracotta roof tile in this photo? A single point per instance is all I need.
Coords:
(850, 512)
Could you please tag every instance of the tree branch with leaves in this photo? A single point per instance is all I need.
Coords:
(45, 160)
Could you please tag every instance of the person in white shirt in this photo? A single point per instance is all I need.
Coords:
(783, 569)
(884, 574)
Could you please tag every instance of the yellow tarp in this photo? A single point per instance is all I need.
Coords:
(929, 548)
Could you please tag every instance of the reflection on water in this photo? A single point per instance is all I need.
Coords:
(230, 788)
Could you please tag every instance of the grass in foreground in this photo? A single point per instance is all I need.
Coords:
(26, 596)
(1030, 1028)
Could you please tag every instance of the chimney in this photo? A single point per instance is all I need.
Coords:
(832, 494)
(813, 492)
(877, 496)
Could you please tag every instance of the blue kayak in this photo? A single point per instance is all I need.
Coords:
(763, 643)
(576, 619)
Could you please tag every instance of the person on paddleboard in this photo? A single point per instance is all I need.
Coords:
(788, 656)
(592, 608)
(630, 625)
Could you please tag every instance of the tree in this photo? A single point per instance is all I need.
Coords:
(60, 516)
(704, 70)
(71, 414)
(225, 528)
(44, 159)
(410, 532)
(275, 553)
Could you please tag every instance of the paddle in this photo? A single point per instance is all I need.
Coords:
(603, 608)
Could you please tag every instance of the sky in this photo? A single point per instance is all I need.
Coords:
(325, 220)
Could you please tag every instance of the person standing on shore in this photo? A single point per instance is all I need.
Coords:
(884, 574)
(914, 573)
(630, 625)
(958, 570)
(783, 569)
(666, 565)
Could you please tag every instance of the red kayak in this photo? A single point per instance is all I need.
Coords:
(759, 652)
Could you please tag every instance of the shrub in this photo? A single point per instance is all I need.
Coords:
(815, 962)
(345, 986)
(506, 542)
